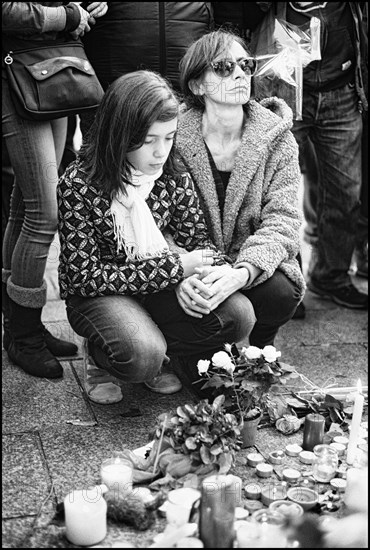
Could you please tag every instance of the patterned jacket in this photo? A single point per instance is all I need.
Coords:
(261, 218)
(89, 264)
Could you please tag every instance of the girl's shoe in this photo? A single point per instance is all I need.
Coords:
(100, 386)
(165, 382)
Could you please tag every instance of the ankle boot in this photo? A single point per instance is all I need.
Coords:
(58, 347)
(27, 347)
(5, 310)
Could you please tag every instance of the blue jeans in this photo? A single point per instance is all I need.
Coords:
(130, 337)
(35, 151)
(333, 123)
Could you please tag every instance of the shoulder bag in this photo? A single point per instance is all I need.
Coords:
(52, 80)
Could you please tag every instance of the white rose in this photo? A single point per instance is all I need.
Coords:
(223, 360)
(228, 347)
(252, 352)
(270, 353)
(203, 365)
(230, 368)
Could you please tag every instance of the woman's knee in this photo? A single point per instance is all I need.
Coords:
(133, 363)
(238, 312)
(275, 300)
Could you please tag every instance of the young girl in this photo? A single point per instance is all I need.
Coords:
(125, 290)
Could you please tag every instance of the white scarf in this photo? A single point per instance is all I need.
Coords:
(134, 227)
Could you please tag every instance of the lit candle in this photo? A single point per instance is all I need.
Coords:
(117, 474)
(355, 425)
(85, 517)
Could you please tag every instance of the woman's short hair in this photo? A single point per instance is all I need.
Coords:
(131, 104)
(197, 60)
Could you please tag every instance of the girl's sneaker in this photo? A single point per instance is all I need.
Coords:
(100, 386)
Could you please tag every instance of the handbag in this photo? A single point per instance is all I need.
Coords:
(52, 80)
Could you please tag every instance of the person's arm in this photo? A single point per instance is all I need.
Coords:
(277, 237)
(187, 226)
(31, 18)
(85, 271)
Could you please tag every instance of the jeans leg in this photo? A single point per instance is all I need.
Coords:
(363, 221)
(231, 322)
(334, 126)
(274, 303)
(33, 223)
(6, 187)
(123, 339)
(310, 183)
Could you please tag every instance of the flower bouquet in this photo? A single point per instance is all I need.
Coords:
(245, 377)
(197, 439)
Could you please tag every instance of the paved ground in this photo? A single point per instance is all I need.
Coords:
(45, 456)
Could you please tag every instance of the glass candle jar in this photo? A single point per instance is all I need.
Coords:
(271, 529)
(325, 463)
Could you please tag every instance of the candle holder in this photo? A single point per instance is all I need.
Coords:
(117, 474)
(85, 516)
(271, 528)
(217, 511)
(273, 491)
(179, 505)
(325, 463)
(313, 434)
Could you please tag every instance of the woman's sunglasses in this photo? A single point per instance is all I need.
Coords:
(226, 67)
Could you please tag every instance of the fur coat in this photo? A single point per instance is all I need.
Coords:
(261, 217)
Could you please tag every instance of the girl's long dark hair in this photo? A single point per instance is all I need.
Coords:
(129, 107)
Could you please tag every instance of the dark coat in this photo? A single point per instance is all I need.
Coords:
(145, 35)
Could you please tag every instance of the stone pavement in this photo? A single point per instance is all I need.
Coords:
(45, 455)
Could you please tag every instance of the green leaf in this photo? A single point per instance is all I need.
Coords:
(288, 368)
(218, 402)
(189, 409)
(216, 449)
(191, 443)
(180, 411)
(205, 455)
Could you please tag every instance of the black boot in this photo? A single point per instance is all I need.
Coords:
(58, 347)
(27, 347)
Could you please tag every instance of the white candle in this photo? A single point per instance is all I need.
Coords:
(117, 474)
(179, 505)
(356, 494)
(85, 517)
(355, 425)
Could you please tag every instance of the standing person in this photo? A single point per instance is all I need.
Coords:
(361, 256)
(123, 287)
(35, 150)
(334, 96)
(144, 35)
(244, 162)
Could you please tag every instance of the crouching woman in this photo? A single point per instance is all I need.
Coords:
(124, 288)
